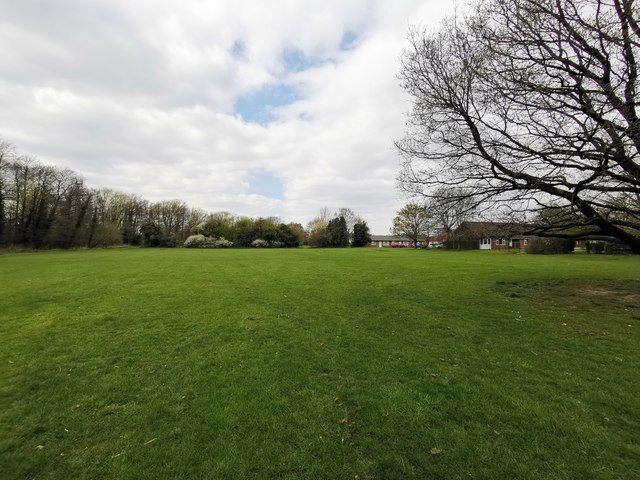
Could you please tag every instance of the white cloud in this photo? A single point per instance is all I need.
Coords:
(139, 96)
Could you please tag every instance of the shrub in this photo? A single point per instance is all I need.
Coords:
(222, 243)
(209, 242)
(260, 243)
(200, 241)
(195, 241)
(616, 248)
(171, 240)
(152, 235)
(594, 247)
(550, 245)
(106, 235)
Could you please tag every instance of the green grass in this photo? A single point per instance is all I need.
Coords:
(327, 364)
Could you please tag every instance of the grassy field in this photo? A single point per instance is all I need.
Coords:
(318, 364)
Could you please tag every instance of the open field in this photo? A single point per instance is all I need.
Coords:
(327, 364)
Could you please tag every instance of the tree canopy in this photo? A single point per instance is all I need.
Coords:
(361, 236)
(530, 104)
(412, 221)
(338, 233)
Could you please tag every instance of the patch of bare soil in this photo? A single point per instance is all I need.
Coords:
(631, 298)
(613, 293)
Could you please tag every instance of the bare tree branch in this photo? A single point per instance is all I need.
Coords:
(523, 101)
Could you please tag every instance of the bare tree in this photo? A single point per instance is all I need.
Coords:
(350, 217)
(171, 216)
(531, 104)
(6, 155)
(449, 207)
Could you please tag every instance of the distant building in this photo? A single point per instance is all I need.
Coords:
(390, 241)
(490, 236)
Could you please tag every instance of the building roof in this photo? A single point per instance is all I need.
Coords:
(473, 230)
(390, 238)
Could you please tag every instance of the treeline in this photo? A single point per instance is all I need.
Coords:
(224, 227)
(49, 207)
(43, 206)
(343, 229)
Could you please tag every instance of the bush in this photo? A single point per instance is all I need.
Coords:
(550, 245)
(594, 247)
(200, 241)
(222, 243)
(106, 235)
(152, 235)
(195, 241)
(616, 248)
(171, 240)
(260, 243)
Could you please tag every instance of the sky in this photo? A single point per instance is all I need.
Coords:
(277, 108)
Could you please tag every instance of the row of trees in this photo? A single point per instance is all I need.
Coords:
(243, 231)
(43, 206)
(338, 229)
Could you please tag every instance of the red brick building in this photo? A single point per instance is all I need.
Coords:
(490, 236)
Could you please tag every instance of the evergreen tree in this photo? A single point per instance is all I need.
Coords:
(338, 233)
(361, 237)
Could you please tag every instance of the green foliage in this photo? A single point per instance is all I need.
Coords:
(361, 236)
(152, 235)
(609, 248)
(319, 235)
(550, 245)
(412, 221)
(200, 241)
(288, 236)
(107, 235)
(298, 231)
(266, 229)
(596, 247)
(246, 231)
(243, 232)
(249, 232)
(220, 224)
(223, 243)
(337, 233)
(260, 243)
(334, 232)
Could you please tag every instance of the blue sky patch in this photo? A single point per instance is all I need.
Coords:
(295, 60)
(266, 184)
(349, 40)
(238, 49)
(257, 107)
